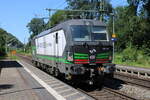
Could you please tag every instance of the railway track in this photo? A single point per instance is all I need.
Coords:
(107, 92)
(28, 59)
(133, 80)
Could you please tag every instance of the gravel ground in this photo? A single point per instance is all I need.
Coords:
(135, 91)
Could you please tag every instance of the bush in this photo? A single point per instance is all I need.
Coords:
(2, 51)
(133, 57)
(143, 59)
(129, 55)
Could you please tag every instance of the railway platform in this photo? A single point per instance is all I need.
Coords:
(21, 81)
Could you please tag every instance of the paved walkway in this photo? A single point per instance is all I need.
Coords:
(15, 84)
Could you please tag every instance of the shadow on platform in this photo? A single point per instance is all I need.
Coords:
(9, 64)
(6, 86)
(17, 91)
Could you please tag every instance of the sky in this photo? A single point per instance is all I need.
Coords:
(16, 14)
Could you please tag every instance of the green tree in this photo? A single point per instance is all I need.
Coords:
(144, 5)
(7, 39)
(2, 42)
(132, 31)
(133, 6)
(36, 26)
(56, 18)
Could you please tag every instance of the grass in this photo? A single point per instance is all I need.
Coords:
(2, 57)
(13, 57)
(142, 61)
(9, 56)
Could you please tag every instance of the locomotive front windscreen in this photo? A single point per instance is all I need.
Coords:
(99, 33)
(88, 33)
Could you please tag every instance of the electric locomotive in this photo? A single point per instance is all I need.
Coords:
(78, 49)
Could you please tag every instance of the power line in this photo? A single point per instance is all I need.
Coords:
(61, 4)
(58, 1)
(70, 10)
(102, 9)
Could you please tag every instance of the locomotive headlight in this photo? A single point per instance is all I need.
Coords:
(69, 56)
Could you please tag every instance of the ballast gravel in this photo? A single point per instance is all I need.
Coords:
(135, 91)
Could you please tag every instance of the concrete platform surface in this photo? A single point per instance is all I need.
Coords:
(17, 84)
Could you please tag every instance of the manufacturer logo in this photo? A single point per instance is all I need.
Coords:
(92, 57)
(92, 51)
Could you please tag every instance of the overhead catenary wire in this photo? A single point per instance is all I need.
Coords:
(48, 9)
(102, 8)
(61, 4)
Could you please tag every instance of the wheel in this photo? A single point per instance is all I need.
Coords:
(50, 71)
(56, 72)
(43, 66)
(38, 64)
(32, 61)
